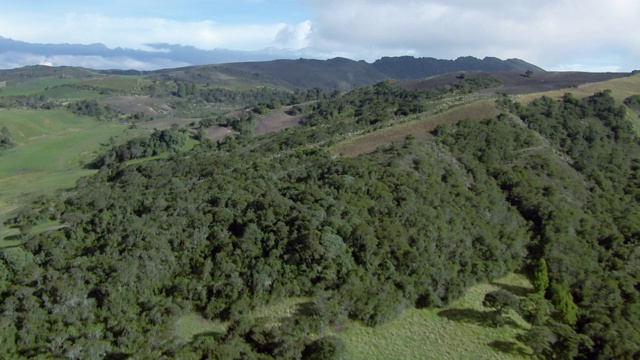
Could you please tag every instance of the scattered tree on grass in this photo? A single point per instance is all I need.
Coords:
(500, 300)
(5, 139)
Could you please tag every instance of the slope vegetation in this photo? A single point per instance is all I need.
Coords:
(141, 258)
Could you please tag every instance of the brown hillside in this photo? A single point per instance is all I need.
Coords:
(421, 129)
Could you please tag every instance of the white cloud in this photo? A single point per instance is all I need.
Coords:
(589, 67)
(294, 37)
(133, 32)
(554, 34)
(9, 60)
(546, 32)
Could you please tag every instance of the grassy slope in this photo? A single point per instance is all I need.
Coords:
(52, 147)
(34, 86)
(420, 128)
(620, 89)
(479, 109)
(461, 330)
(47, 87)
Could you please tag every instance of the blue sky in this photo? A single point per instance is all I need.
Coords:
(591, 35)
(227, 11)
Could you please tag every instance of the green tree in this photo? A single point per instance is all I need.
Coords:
(182, 90)
(535, 309)
(540, 277)
(326, 348)
(500, 300)
(562, 300)
(5, 139)
(540, 339)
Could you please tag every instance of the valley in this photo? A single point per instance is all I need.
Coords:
(260, 216)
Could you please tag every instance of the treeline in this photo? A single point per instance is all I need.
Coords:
(158, 142)
(28, 102)
(238, 224)
(94, 109)
(220, 95)
(221, 232)
(5, 139)
(375, 104)
(583, 212)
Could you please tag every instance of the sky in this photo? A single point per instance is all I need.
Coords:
(561, 35)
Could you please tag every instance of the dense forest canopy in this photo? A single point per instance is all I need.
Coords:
(550, 188)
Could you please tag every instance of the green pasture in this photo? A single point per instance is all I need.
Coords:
(53, 146)
(462, 330)
(126, 83)
(51, 87)
(34, 86)
(28, 125)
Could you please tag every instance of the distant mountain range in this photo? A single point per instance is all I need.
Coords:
(339, 73)
(226, 67)
(15, 53)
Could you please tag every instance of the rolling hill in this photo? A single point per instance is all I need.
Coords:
(338, 73)
(441, 191)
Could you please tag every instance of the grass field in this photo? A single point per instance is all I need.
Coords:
(621, 88)
(477, 110)
(34, 86)
(126, 83)
(462, 330)
(53, 146)
(50, 87)
(191, 325)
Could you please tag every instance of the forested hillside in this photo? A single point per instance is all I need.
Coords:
(549, 188)
(409, 67)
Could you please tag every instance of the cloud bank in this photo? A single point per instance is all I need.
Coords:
(551, 33)
(589, 35)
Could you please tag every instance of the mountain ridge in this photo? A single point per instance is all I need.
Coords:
(335, 74)
(345, 74)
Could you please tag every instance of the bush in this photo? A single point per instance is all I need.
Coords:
(326, 348)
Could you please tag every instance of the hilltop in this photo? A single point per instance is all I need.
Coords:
(340, 73)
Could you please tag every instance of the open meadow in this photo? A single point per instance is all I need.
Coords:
(52, 149)
(461, 330)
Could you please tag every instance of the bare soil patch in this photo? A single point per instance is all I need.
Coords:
(276, 120)
(154, 107)
(421, 129)
(218, 133)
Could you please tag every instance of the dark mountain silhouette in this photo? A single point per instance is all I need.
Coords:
(340, 73)
(222, 66)
(409, 67)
